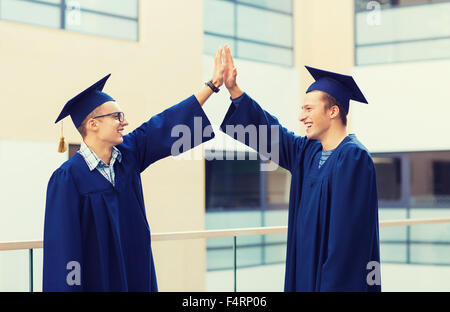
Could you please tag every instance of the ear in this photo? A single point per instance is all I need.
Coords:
(334, 111)
(92, 125)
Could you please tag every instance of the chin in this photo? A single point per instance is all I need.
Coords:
(119, 141)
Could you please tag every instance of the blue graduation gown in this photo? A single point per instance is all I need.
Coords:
(333, 211)
(104, 228)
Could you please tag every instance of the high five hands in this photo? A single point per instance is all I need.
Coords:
(229, 75)
(225, 72)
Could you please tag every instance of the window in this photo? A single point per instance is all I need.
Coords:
(278, 186)
(384, 32)
(259, 30)
(414, 185)
(109, 18)
(430, 179)
(361, 5)
(237, 183)
(239, 194)
(388, 178)
(73, 148)
(232, 184)
(410, 185)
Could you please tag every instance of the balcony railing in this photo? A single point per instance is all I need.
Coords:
(234, 233)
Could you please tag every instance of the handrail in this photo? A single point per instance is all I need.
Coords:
(225, 233)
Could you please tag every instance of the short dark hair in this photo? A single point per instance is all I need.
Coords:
(330, 102)
(82, 128)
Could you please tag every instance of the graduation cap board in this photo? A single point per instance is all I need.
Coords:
(342, 87)
(82, 105)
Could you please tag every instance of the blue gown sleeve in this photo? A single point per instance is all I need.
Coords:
(62, 235)
(353, 224)
(244, 111)
(153, 140)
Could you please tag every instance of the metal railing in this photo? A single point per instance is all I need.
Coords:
(30, 245)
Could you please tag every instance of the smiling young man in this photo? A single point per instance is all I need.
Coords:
(96, 235)
(333, 240)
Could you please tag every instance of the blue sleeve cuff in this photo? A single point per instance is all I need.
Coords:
(237, 100)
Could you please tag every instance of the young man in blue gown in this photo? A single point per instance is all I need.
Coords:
(96, 235)
(333, 240)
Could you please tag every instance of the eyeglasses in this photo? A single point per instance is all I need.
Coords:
(118, 115)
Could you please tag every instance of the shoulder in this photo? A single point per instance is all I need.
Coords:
(311, 147)
(354, 152)
(128, 149)
(68, 171)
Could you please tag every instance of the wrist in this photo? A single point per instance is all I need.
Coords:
(235, 91)
(216, 82)
(210, 84)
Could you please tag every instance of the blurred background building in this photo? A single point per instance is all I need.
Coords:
(160, 52)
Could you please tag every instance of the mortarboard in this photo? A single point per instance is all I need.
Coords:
(342, 87)
(82, 105)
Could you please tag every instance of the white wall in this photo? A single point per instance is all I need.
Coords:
(409, 106)
(25, 169)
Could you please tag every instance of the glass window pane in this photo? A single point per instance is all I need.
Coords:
(127, 8)
(38, 262)
(275, 253)
(278, 183)
(232, 184)
(430, 253)
(430, 178)
(403, 52)
(248, 255)
(219, 256)
(259, 52)
(431, 233)
(388, 178)
(218, 17)
(30, 13)
(392, 252)
(265, 26)
(14, 270)
(281, 5)
(212, 43)
(58, 2)
(96, 24)
(430, 21)
(363, 5)
(392, 233)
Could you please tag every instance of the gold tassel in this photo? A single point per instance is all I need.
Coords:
(62, 144)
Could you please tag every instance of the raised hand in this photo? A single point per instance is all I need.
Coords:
(230, 74)
(219, 67)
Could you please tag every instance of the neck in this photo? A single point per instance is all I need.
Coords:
(102, 150)
(333, 137)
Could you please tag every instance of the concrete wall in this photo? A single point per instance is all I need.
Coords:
(323, 37)
(409, 106)
(42, 68)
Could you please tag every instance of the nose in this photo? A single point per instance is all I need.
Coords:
(124, 122)
(302, 117)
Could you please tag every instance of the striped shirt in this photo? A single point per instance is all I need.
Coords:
(94, 162)
(324, 156)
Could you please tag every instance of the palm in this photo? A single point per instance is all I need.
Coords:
(230, 73)
(228, 78)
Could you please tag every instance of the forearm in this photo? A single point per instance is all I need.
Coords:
(203, 95)
(235, 92)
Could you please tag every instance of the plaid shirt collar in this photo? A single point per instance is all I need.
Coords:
(93, 161)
